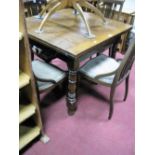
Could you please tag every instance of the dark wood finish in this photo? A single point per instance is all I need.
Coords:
(62, 37)
(123, 74)
(120, 74)
(73, 67)
(126, 88)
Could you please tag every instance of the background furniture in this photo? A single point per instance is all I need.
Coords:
(109, 72)
(114, 9)
(33, 7)
(109, 6)
(30, 123)
(63, 39)
(125, 17)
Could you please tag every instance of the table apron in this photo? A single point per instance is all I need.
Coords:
(86, 54)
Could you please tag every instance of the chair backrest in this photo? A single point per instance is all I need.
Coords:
(126, 64)
(108, 7)
(33, 7)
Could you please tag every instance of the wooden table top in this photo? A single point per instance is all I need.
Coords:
(65, 32)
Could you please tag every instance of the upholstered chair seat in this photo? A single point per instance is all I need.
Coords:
(47, 75)
(101, 65)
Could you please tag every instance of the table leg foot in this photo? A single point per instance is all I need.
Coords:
(72, 110)
(71, 103)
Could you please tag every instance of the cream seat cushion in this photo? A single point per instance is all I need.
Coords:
(46, 71)
(100, 65)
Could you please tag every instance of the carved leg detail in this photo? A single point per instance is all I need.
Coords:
(71, 97)
(52, 10)
(93, 8)
(79, 9)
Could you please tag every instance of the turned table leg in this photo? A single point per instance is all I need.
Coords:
(72, 86)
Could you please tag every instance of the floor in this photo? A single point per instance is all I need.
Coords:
(88, 132)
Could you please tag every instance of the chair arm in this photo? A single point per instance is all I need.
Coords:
(107, 74)
(46, 80)
(119, 59)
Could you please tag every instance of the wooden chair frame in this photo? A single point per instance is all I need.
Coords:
(121, 74)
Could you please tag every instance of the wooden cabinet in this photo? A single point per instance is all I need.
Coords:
(30, 123)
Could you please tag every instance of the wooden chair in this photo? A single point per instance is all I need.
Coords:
(48, 76)
(109, 6)
(127, 18)
(33, 7)
(110, 72)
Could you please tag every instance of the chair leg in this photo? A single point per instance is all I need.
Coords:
(112, 92)
(126, 88)
(110, 51)
(32, 55)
